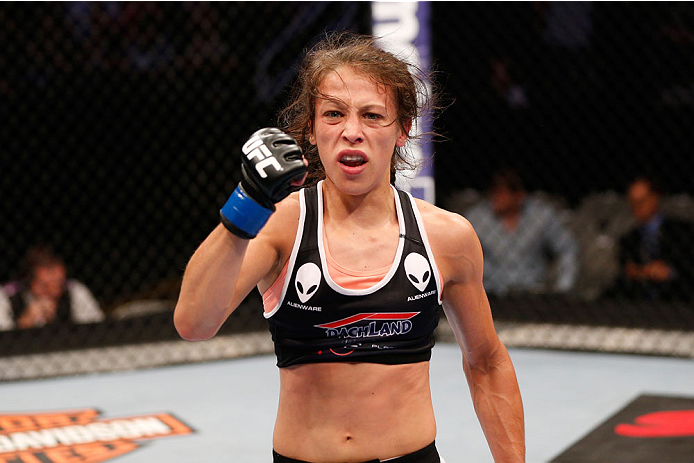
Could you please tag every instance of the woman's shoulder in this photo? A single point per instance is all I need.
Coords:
(290, 204)
(286, 212)
(448, 232)
(276, 239)
(282, 225)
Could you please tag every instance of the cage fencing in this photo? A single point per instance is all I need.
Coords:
(123, 123)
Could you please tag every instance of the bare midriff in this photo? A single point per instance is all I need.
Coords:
(353, 412)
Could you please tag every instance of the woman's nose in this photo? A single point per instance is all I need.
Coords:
(352, 130)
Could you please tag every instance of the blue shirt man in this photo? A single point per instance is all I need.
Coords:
(521, 237)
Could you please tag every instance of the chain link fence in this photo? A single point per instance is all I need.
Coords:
(122, 123)
(577, 100)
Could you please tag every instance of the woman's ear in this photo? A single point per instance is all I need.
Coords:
(311, 136)
(404, 134)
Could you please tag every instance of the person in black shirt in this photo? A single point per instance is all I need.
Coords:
(655, 257)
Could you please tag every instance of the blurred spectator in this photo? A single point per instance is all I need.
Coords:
(522, 238)
(44, 294)
(6, 321)
(655, 257)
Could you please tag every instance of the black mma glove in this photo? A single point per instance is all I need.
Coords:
(271, 162)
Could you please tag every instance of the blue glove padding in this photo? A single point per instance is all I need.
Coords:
(242, 216)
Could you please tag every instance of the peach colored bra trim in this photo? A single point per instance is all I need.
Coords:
(346, 278)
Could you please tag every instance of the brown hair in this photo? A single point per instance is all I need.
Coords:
(39, 256)
(507, 178)
(360, 52)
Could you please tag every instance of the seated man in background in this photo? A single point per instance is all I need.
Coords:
(521, 237)
(44, 294)
(655, 257)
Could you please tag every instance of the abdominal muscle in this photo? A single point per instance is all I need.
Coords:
(353, 412)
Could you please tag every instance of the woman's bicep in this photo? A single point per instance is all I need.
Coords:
(259, 265)
(268, 252)
(221, 273)
(467, 309)
(465, 301)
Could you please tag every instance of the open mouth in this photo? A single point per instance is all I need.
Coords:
(352, 160)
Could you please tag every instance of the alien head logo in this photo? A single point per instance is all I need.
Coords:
(307, 281)
(417, 270)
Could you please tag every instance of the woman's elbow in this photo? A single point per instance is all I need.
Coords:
(488, 357)
(190, 327)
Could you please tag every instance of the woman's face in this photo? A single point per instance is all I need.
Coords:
(356, 131)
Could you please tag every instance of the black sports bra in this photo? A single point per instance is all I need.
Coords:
(391, 322)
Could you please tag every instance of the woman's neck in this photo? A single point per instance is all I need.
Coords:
(361, 231)
(369, 210)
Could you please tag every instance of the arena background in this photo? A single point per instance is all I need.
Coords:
(123, 122)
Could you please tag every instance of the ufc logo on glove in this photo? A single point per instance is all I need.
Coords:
(255, 148)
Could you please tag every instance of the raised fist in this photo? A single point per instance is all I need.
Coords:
(272, 163)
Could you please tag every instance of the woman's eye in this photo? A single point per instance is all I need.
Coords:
(333, 114)
(373, 116)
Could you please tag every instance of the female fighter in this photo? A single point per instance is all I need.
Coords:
(352, 272)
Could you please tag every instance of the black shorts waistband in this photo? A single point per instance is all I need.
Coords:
(428, 454)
